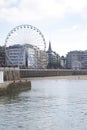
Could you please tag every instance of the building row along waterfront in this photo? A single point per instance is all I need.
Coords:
(29, 56)
(32, 57)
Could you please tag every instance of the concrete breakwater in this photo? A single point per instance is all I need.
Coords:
(11, 83)
(13, 87)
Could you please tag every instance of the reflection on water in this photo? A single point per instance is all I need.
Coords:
(52, 104)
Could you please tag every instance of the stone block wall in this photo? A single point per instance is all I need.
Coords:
(44, 73)
(11, 75)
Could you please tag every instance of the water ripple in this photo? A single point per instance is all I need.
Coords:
(49, 105)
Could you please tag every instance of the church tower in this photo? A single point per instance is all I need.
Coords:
(53, 58)
(49, 49)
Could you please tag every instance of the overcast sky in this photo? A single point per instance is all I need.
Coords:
(63, 22)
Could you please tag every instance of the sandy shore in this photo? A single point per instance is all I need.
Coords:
(79, 77)
(71, 77)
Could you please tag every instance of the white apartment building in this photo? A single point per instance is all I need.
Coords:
(76, 60)
(15, 55)
(26, 56)
(84, 59)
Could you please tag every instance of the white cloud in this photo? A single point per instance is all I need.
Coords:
(7, 3)
(68, 37)
(32, 10)
(73, 28)
(39, 9)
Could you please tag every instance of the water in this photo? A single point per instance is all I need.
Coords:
(51, 104)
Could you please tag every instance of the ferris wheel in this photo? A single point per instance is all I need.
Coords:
(26, 34)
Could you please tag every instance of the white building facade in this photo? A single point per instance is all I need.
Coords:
(26, 56)
(76, 60)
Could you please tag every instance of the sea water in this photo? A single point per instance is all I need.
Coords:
(51, 104)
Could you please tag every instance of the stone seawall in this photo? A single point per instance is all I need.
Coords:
(16, 74)
(46, 73)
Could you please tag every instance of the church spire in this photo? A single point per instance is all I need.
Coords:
(49, 49)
